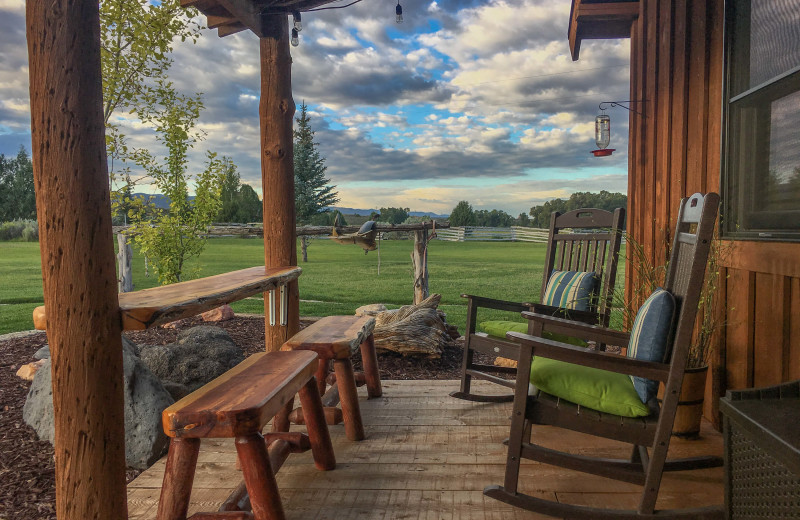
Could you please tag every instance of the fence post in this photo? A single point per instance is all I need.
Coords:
(124, 255)
(420, 261)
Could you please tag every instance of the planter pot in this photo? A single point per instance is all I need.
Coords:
(690, 403)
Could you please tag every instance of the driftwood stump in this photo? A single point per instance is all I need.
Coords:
(414, 330)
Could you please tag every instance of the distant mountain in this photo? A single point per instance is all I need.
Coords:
(366, 212)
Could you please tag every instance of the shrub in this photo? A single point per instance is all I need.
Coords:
(21, 230)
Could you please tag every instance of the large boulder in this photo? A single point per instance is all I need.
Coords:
(200, 355)
(145, 398)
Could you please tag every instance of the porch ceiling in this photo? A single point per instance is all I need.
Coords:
(232, 16)
(600, 19)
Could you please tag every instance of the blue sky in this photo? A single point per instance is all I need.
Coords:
(465, 100)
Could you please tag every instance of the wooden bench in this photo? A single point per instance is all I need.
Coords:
(238, 404)
(337, 338)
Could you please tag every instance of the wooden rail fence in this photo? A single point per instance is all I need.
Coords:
(493, 234)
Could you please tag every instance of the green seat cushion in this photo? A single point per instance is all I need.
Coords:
(600, 390)
(498, 329)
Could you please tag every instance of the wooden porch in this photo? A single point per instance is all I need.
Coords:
(428, 455)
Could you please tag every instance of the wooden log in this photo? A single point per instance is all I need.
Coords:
(276, 113)
(259, 477)
(372, 375)
(124, 271)
(333, 415)
(178, 479)
(419, 259)
(78, 268)
(318, 435)
(353, 426)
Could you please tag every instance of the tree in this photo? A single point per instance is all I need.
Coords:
(522, 220)
(170, 238)
(604, 200)
(313, 193)
(493, 218)
(250, 207)
(393, 215)
(17, 196)
(462, 215)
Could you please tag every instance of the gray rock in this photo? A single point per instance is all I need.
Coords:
(145, 398)
(200, 354)
(42, 353)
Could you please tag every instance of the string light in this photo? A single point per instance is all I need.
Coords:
(295, 41)
(298, 23)
(398, 12)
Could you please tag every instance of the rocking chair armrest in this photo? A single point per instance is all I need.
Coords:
(567, 314)
(577, 329)
(591, 358)
(502, 305)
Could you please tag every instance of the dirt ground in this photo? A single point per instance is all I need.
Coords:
(27, 471)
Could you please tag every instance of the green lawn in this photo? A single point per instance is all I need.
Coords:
(336, 280)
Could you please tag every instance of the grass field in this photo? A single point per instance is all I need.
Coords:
(336, 279)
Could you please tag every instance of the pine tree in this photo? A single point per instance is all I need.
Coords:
(312, 192)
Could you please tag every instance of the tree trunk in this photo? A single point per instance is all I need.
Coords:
(78, 268)
(420, 261)
(276, 112)
(124, 256)
(304, 246)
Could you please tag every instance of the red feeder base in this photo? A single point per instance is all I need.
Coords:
(604, 152)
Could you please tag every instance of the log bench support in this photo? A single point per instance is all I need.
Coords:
(336, 338)
(238, 404)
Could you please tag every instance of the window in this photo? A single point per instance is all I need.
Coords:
(761, 161)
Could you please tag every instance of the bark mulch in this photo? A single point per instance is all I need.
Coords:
(27, 470)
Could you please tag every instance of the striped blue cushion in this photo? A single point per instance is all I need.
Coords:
(649, 337)
(570, 290)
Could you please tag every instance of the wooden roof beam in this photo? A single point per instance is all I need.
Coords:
(243, 14)
(599, 20)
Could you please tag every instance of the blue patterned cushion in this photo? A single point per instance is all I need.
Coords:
(570, 290)
(650, 336)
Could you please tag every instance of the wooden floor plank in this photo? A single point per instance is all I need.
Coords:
(428, 456)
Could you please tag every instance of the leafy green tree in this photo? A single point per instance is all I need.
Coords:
(393, 215)
(250, 207)
(170, 238)
(17, 195)
(462, 214)
(313, 193)
(493, 218)
(240, 203)
(522, 220)
(540, 215)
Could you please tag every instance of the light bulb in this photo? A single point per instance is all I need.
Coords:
(399, 13)
(298, 23)
(602, 131)
(295, 41)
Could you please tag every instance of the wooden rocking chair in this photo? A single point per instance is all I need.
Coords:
(582, 240)
(649, 434)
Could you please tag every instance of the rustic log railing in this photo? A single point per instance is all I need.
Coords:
(152, 307)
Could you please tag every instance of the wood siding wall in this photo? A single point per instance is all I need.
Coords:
(674, 151)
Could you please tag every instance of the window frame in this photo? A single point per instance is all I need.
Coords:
(740, 190)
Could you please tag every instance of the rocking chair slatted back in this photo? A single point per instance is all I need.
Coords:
(580, 240)
(578, 243)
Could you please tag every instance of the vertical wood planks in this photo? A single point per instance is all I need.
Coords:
(740, 292)
(771, 304)
(794, 330)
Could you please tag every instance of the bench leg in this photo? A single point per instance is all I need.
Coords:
(259, 478)
(281, 422)
(322, 374)
(318, 435)
(178, 479)
(345, 380)
(369, 359)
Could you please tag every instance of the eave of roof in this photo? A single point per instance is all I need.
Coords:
(600, 19)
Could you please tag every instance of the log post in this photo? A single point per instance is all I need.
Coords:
(276, 113)
(420, 261)
(78, 269)
(124, 256)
